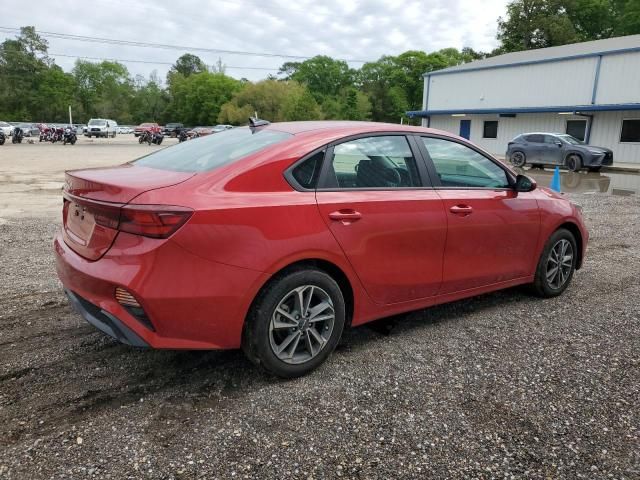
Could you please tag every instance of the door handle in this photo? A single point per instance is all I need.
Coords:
(345, 216)
(462, 210)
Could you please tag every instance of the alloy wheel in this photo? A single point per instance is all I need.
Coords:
(301, 324)
(518, 159)
(559, 264)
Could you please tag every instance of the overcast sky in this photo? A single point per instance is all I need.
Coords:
(347, 29)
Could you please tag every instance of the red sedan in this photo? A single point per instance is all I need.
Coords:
(276, 237)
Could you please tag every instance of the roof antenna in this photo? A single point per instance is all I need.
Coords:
(255, 122)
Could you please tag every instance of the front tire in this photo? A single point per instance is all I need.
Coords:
(573, 162)
(556, 265)
(295, 323)
(518, 159)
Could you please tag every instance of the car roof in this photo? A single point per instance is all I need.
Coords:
(542, 133)
(345, 128)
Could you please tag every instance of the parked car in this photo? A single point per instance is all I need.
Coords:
(29, 129)
(221, 128)
(200, 132)
(276, 237)
(151, 126)
(6, 128)
(125, 130)
(172, 129)
(557, 149)
(101, 127)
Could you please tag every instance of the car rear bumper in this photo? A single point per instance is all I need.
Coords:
(188, 302)
(104, 321)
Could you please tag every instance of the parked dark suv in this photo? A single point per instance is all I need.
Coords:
(172, 129)
(557, 149)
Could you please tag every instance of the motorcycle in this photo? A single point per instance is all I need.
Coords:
(57, 134)
(69, 136)
(45, 132)
(149, 137)
(145, 136)
(17, 136)
(182, 136)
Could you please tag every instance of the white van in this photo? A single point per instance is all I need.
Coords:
(101, 127)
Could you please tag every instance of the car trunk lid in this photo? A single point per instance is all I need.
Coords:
(93, 199)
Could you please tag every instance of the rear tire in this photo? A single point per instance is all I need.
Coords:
(295, 323)
(573, 162)
(556, 264)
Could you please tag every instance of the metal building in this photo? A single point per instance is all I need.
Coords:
(590, 90)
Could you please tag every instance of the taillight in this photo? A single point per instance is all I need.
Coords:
(155, 221)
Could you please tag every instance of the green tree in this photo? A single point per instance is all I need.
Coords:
(55, 92)
(546, 23)
(301, 106)
(627, 17)
(22, 61)
(197, 99)
(394, 84)
(150, 100)
(533, 24)
(188, 64)
(104, 89)
(273, 100)
(322, 75)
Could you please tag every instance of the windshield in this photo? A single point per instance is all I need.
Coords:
(207, 153)
(96, 121)
(571, 140)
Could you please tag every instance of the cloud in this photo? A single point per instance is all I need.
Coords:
(352, 29)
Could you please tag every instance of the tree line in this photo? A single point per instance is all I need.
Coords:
(34, 88)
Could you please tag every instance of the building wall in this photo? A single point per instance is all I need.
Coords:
(564, 83)
(605, 130)
(619, 79)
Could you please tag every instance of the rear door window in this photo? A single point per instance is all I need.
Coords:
(535, 138)
(374, 162)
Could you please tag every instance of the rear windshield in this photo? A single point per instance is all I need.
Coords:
(207, 153)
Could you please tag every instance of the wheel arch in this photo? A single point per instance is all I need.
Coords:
(330, 268)
(576, 153)
(577, 234)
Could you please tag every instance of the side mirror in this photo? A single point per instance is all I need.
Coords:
(525, 184)
(559, 143)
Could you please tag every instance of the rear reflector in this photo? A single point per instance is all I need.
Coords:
(125, 298)
(132, 306)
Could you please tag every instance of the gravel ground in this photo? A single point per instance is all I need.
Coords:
(501, 386)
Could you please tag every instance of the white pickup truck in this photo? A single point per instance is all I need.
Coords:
(101, 127)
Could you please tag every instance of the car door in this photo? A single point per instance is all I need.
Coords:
(492, 229)
(377, 202)
(552, 151)
(535, 144)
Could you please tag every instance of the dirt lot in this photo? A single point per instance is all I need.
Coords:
(501, 386)
(31, 175)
